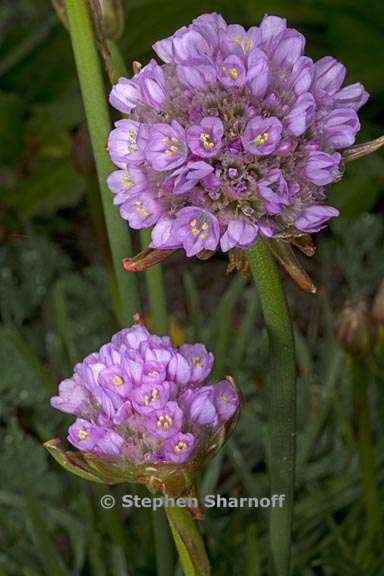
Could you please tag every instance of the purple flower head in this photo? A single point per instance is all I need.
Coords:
(211, 126)
(140, 400)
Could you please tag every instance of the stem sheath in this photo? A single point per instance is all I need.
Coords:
(282, 402)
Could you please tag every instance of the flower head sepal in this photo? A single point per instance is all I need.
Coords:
(146, 259)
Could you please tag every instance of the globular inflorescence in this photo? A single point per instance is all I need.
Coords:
(236, 134)
(142, 400)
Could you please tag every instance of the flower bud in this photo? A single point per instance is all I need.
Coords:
(112, 18)
(355, 331)
(378, 305)
(144, 412)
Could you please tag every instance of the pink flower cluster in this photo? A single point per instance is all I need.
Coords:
(140, 399)
(236, 134)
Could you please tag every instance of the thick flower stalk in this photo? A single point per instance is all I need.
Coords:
(236, 135)
(144, 411)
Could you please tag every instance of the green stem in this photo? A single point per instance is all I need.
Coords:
(365, 448)
(158, 311)
(156, 293)
(189, 542)
(282, 402)
(92, 89)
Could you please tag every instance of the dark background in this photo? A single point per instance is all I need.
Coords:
(55, 308)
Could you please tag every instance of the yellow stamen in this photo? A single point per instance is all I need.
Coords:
(171, 150)
(140, 208)
(164, 422)
(261, 139)
(127, 182)
(117, 381)
(180, 446)
(247, 43)
(206, 140)
(82, 434)
(196, 361)
(232, 72)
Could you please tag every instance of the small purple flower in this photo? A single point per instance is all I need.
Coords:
(178, 448)
(123, 143)
(238, 233)
(226, 400)
(329, 75)
(262, 135)
(275, 192)
(73, 398)
(151, 81)
(166, 148)
(231, 72)
(302, 114)
(141, 211)
(91, 438)
(340, 127)
(201, 407)
(149, 397)
(197, 230)
(142, 401)
(166, 421)
(200, 361)
(321, 168)
(188, 176)
(204, 139)
(127, 183)
(125, 95)
(211, 126)
(313, 218)
(162, 236)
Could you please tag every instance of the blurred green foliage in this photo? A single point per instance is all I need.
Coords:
(55, 308)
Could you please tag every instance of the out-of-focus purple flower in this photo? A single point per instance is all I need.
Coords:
(143, 401)
(226, 110)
